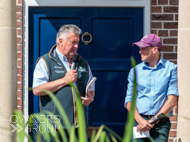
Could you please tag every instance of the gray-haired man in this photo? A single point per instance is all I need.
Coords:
(53, 72)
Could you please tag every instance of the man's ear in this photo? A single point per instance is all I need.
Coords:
(155, 49)
(61, 40)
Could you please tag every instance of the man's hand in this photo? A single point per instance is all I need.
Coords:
(71, 76)
(88, 99)
(144, 125)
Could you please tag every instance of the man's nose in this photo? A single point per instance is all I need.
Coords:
(76, 45)
(139, 51)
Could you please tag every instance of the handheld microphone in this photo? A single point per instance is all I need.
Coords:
(160, 117)
(75, 59)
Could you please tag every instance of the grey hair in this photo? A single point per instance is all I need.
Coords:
(64, 31)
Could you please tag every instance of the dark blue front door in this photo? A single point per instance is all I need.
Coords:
(113, 31)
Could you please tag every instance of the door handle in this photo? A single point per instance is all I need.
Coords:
(86, 34)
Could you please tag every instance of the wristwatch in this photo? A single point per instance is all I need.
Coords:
(153, 118)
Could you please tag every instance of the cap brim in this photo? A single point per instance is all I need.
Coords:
(140, 44)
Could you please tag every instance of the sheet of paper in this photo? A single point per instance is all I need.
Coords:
(138, 135)
(90, 84)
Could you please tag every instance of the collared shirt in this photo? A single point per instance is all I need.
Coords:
(153, 86)
(41, 75)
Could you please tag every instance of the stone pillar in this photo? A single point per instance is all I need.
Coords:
(8, 68)
(183, 125)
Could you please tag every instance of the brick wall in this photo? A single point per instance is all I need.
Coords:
(165, 24)
(19, 54)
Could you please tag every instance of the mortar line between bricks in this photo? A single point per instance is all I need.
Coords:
(164, 21)
(164, 13)
(169, 44)
(173, 121)
(173, 129)
(168, 37)
(163, 29)
(168, 51)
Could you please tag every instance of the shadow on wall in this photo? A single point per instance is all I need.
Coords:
(179, 140)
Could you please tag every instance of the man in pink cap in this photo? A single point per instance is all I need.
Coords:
(157, 91)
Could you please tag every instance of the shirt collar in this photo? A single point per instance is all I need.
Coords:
(61, 56)
(160, 63)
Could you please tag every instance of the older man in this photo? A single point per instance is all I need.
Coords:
(54, 72)
(156, 89)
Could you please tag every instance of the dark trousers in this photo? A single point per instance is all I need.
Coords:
(159, 132)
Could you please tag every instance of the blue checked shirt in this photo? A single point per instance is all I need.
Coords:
(153, 86)
(41, 75)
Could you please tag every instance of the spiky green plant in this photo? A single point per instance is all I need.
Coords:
(47, 132)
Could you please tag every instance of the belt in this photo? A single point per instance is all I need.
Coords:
(147, 116)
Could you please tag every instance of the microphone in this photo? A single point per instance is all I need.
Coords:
(160, 117)
(76, 58)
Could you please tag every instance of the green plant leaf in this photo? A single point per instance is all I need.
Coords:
(29, 138)
(38, 137)
(60, 126)
(45, 128)
(98, 134)
(113, 133)
(20, 124)
(102, 136)
(133, 62)
(113, 138)
(107, 139)
(72, 135)
(151, 139)
(62, 113)
(130, 120)
(93, 135)
(81, 117)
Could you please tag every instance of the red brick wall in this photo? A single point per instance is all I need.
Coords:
(164, 22)
(19, 54)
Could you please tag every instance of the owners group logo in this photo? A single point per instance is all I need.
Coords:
(41, 124)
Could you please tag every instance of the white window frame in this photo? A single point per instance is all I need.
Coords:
(146, 4)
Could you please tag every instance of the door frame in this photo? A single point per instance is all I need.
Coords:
(145, 4)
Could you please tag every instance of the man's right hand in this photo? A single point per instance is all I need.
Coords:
(144, 125)
(71, 76)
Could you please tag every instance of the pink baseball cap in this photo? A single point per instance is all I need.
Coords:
(149, 40)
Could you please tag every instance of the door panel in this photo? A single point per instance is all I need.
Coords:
(109, 41)
(113, 31)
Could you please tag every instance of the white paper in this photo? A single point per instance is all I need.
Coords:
(138, 135)
(90, 84)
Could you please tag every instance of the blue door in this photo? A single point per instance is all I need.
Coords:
(113, 30)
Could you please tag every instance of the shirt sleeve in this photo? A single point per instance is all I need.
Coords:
(90, 78)
(129, 93)
(172, 86)
(40, 75)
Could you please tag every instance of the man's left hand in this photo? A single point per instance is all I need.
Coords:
(88, 99)
(144, 126)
